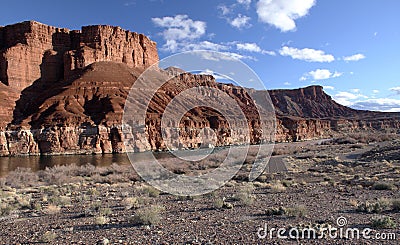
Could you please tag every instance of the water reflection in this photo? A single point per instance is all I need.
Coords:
(36, 163)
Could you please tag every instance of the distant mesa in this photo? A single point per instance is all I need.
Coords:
(63, 92)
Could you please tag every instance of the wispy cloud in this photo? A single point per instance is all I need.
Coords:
(225, 10)
(355, 57)
(217, 76)
(306, 54)
(240, 22)
(326, 87)
(127, 4)
(181, 33)
(348, 98)
(283, 13)
(245, 3)
(180, 27)
(380, 104)
(396, 90)
(253, 47)
(320, 74)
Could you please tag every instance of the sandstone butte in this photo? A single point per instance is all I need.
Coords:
(63, 92)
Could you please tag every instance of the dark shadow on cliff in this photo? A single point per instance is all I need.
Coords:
(97, 108)
(35, 95)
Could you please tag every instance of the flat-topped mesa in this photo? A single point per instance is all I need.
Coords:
(309, 102)
(33, 33)
(110, 43)
(31, 50)
(22, 50)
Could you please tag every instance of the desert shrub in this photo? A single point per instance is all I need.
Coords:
(22, 177)
(245, 198)
(6, 209)
(59, 200)
(57, 175)
(23, 202)
(2, 182)
(52, 209)
(383, 186)
(227, 205)
(373, 207)
(218, 202)
(105, 211)
(296, 211)
(287, 183)
(275, 211)
(396, 205)
(36, 206)
(354, 202)
(101, 220)
(344, 141)
(383, 222)
(130, 202)
(277, 186)
(148, 215)
(244, 195)
(86, 170)
(150, 191)
(49, 236)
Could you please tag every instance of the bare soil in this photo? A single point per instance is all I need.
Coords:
(105, 205)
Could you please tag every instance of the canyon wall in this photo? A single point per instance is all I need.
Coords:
(64, 91)
(32, 52)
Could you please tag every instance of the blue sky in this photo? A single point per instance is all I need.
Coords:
(351, 47)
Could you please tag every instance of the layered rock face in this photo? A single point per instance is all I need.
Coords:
(309, 102)
(64, 92)
(33, 52)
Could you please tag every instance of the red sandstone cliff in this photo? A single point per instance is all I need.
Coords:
(63, 92)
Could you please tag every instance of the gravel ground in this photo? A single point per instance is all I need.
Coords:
(98, 206)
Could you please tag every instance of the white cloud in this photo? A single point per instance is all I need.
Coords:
(174, 46)
(127, 4)
(283, 13)
(224, 9)
(253, 47)
(326, 87)
(396, 90)
(180, 27)
(240, 56)
(287, 84)
(182, 34)
(321, 74)
(217, 76)
(347, 98)
(226, 56)
(240, 22)
(246, 3)
(355, 90)
(355, 57)
(306, 54)
(381, 104)
(303, 78)
(375, 91)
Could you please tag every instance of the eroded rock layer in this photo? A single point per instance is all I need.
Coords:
(64, 92)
